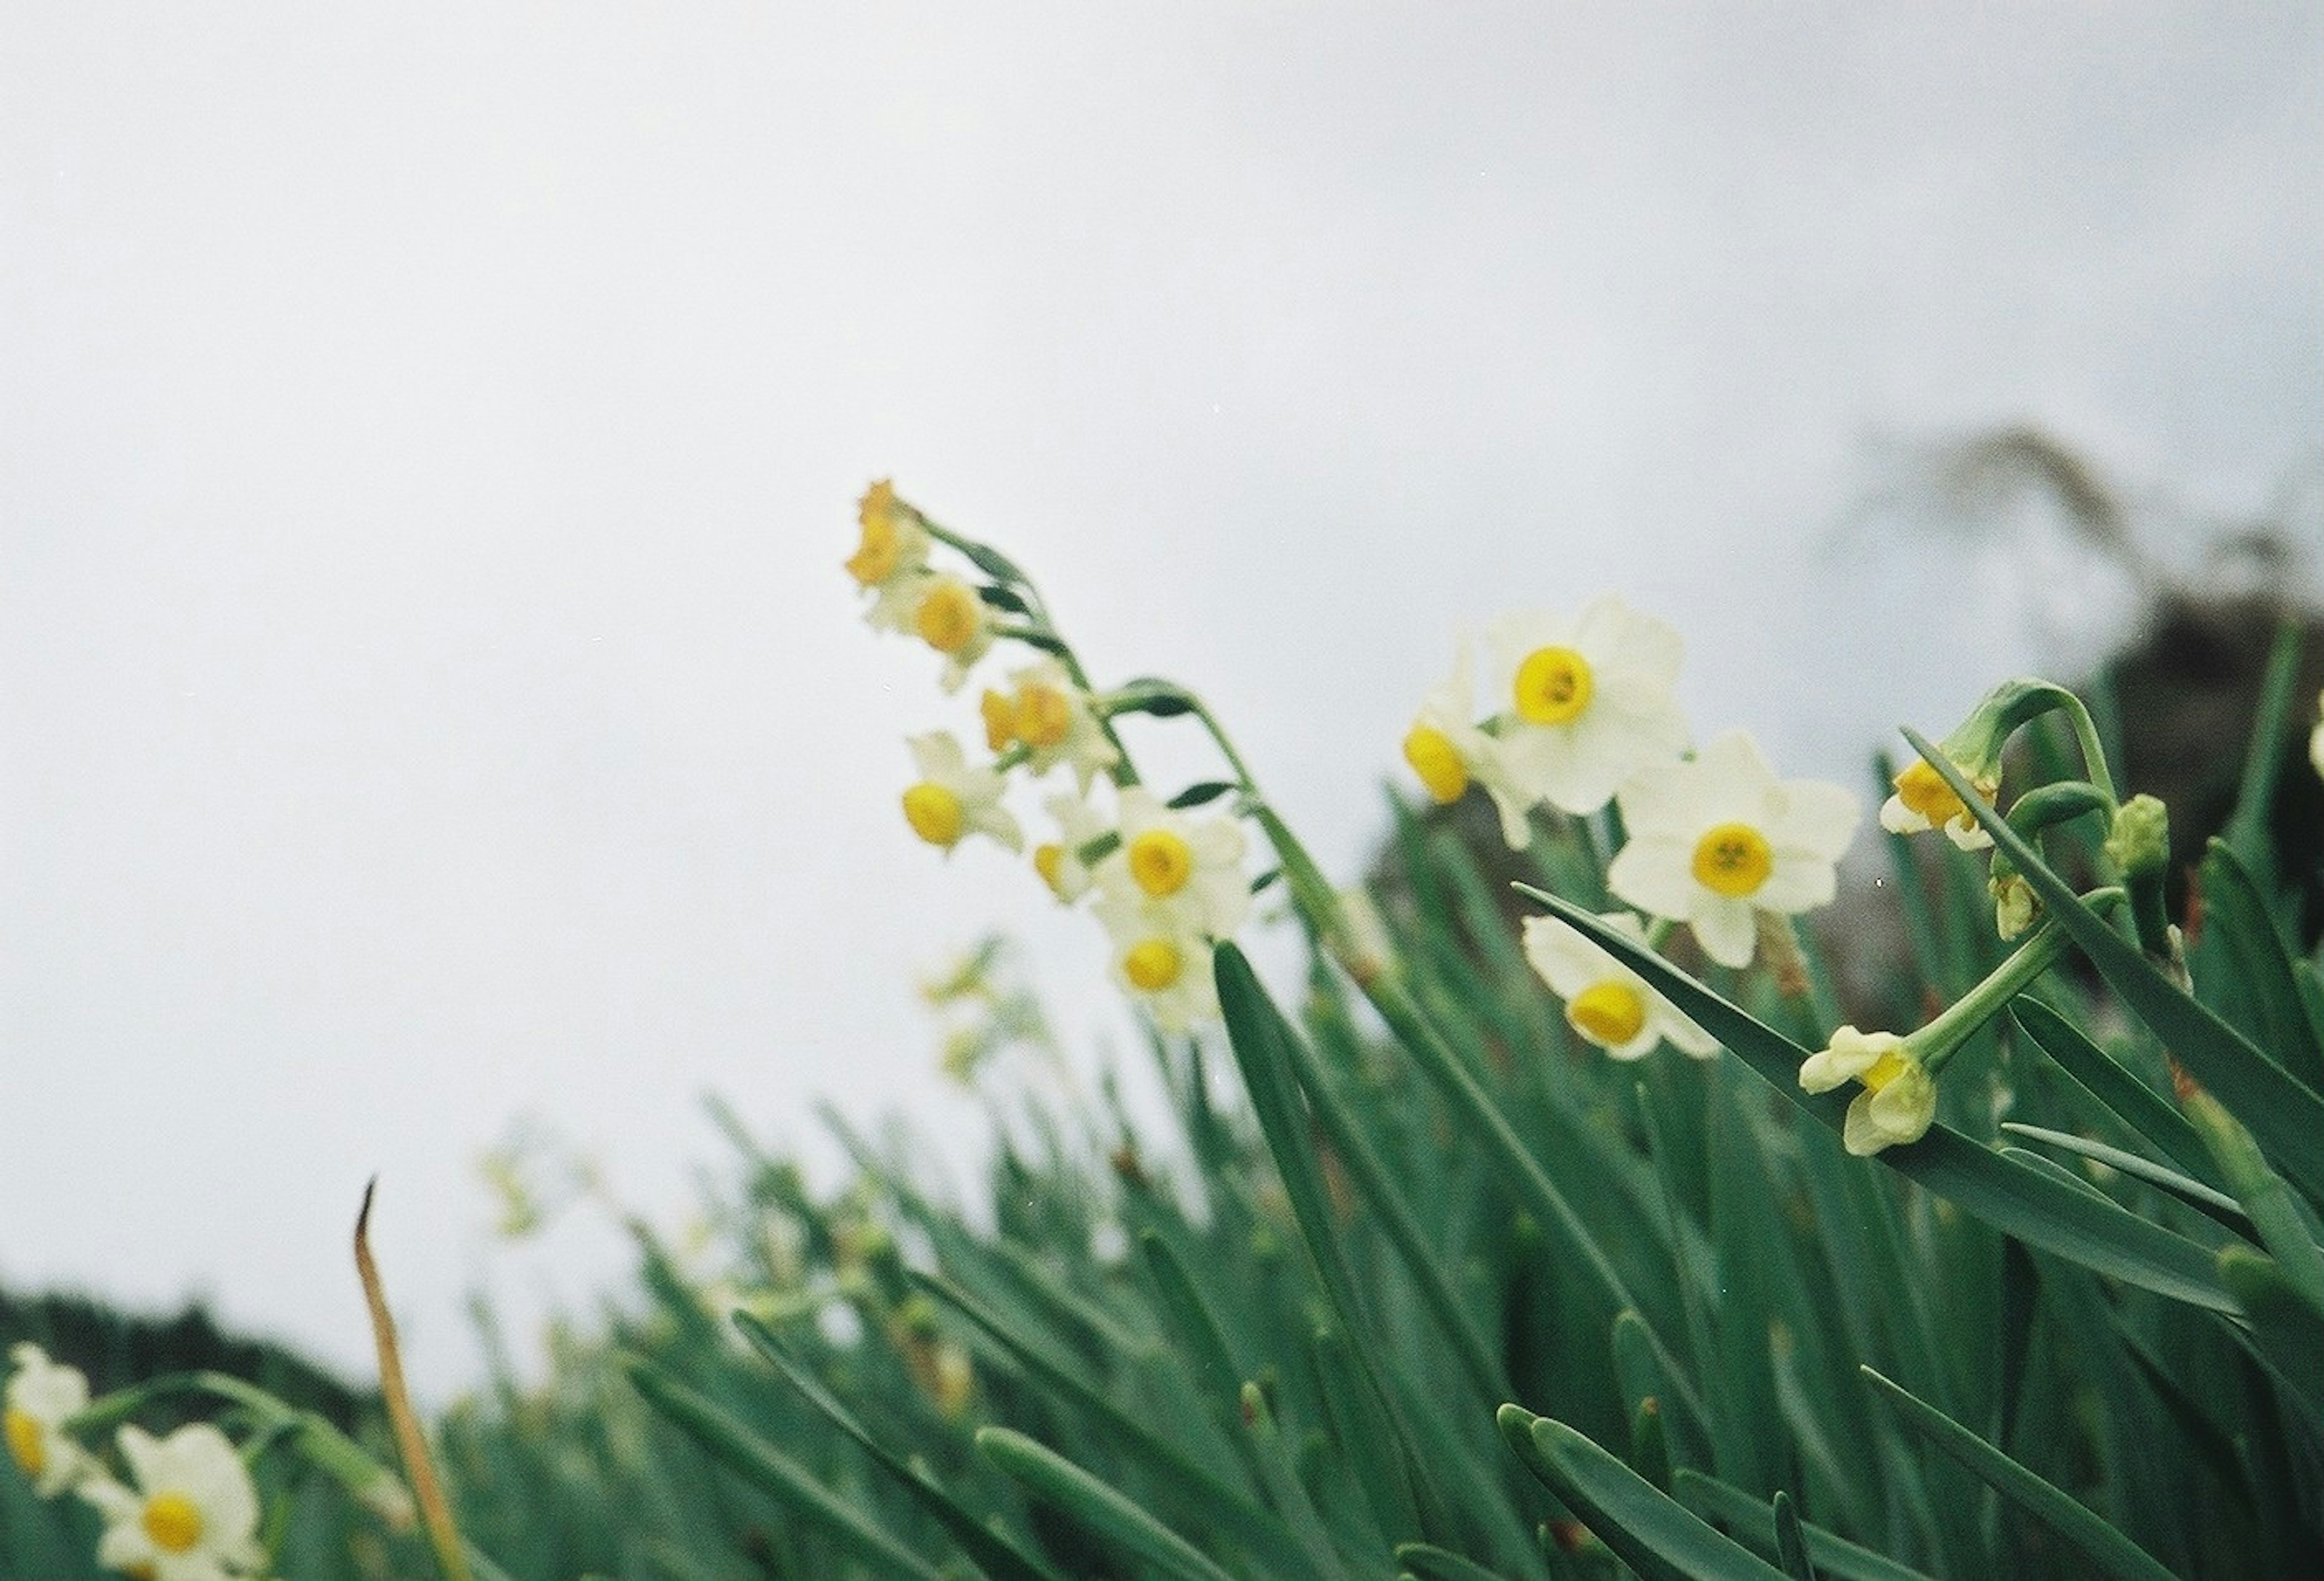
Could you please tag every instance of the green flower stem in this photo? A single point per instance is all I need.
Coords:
(1935, 1043)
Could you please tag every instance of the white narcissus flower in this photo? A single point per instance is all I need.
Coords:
(1922, 800)
(41, 1393)
(891, 558)
(952, 618)
(1187, 871)
(1160, 963)
(1605, 1001)
(953, 800)
(1059, 861)
(1899, 1100)
(1715, 839)
(1049, 716)
(193, 1514)
(1586, 703)
(1449, 753)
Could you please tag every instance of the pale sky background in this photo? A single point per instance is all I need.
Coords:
(429, 434)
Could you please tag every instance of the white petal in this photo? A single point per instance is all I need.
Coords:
(1819, 816)
(1727, 930)
(1860, 1135)
(1653, 874)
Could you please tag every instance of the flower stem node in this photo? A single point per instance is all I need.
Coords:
(1899, 1100)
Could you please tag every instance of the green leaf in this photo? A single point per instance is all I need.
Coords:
(768, 1468)
(2219, 1205)
(1833, 1554)
(2285, 1333)
(2017, 1200)
(1094, 1505)
(1196, 794)
(992, 562)
(2113, 1553)
(1654, 1535)
(1224, 1506)
(993, 1554)
(2239, 933)
(1150, 695)
(1791, 1545)
(1431, 1563)
(2286, 1117)
(2133, 1102)
(1002, 598)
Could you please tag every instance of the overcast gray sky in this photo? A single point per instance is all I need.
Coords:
(429, 436)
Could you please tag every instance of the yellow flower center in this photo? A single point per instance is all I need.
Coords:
(947, 617)
(1885, 1070)
(876, 557)
(26, 1442)
(1161, 862)
(1609, 1013)
(1437, 761)
(1049, 861)
(1044, 715)
(1922, 791)
(934, 813)
(999, 721)
(1152, 965)
(1733, 860)
(173, 1522)
(1552, 686)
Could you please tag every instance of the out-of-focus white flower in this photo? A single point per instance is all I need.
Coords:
(952, 799)
(1588, 701)
(41, 1393)
(1714, 840)
(2316, 737)
(1606, 1002)
(1050, 717)
(1164, 968)
(1449, 753)
(1187, 871)
(193, 1514)
(1059, 861)
(950, 617)
(1899, 1100)
(891, 558)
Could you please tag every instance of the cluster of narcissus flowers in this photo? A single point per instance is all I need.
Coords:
(1582, 713)
(188, 1511)
(1164, 882)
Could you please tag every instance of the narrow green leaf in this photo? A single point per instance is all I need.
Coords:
(1202, 792)
(1791, 1545)
(2132, 1101)
(1094, 1505)
(1431, 1563)
(2285, 1334)
(1657, 1536)
(1833, 1554)
(2219, 1205)
(768, 1468)
(2239, 926)
(2036, 1208)
(2114, 1554)
(1205, 1350)
(2285, 1115)
(993, 1554)
(990, 561)
(1228, 1508)
(2284, 1230)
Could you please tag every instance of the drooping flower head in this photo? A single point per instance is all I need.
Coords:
(1050, 717)
(1185, 869)
(1586, 703)
(891, 559)
(40, 1396)
(192, 1515)
(1718, 839)
(1606, 1002)
(951, 800)
(1899, 1100)
(1450, 753)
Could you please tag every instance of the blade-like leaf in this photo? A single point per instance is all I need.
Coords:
(1833, 1554)
(1656, 1536)
(1091, 1503)
(2113, 1553)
